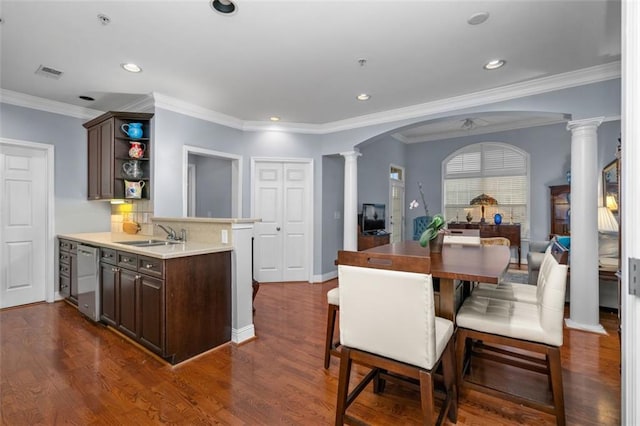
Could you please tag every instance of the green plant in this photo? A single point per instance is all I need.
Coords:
(436, 224)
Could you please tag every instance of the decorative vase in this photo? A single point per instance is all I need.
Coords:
(497, 218)
(469, 217)
(133, 130)
(132, 169)
(435, 245)
(137, 149)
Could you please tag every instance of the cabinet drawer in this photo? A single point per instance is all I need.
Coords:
(64, 283)
(64, 258)
(66, 245)
(151, 266)
(127, 260)
(64, 269)
(108, 256)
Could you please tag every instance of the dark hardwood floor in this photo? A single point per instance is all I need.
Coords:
(58, 368)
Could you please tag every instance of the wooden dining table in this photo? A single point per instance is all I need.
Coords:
(456, 262)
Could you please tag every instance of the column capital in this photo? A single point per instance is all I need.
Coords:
(584, 123)
(351, 154)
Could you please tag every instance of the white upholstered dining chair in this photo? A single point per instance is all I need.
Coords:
(520, 334)
(522, 292)
(388, 323)
(330, 344)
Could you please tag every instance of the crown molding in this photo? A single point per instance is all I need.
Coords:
(186, 108)
(42, 104)
(538, 86)
(566, 80)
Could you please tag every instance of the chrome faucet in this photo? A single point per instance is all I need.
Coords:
(171, 233)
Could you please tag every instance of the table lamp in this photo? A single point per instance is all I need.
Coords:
(483, 200)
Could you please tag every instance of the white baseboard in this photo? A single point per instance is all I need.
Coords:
(579, 326)
(243, 334)
(324, 277)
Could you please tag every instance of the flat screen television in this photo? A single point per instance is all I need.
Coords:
(373, 218)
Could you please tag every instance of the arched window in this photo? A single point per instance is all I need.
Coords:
(496, 169)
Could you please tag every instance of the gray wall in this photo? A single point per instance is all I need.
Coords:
(332, 209)
(213, 186)
(373, 171)
(73, 213)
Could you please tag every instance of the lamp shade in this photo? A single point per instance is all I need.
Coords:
(606, 221)
(483, 200)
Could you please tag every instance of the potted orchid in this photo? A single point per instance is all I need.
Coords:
(434, 234)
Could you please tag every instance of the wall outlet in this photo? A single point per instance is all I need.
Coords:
(224, 236)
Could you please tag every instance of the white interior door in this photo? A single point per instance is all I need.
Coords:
(268, 232)
(282, 201)
(396, 218)
(23, 224)
(296, 213)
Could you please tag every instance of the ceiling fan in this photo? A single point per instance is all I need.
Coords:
(472, 123)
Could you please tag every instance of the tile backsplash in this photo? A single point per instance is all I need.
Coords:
(140, 211)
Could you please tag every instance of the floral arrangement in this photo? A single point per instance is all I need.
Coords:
(436, 224)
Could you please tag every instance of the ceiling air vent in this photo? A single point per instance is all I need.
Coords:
(49, 72)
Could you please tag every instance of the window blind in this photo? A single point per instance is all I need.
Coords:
(497, 169)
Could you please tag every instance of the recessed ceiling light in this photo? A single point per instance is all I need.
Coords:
(104, 19)
(225, 7)
(274, 118)
(494, 64)
(86, 98)
(478, 18)
(363, 97)
(131, 67)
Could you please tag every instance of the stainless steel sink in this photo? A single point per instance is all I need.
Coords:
(148, 243)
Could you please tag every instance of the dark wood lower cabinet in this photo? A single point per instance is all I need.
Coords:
(177, 308)
(126, 302)
(151, 312)
(108, 276)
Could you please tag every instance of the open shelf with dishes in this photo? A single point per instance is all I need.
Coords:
(119, 151)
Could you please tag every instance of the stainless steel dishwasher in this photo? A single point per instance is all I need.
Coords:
(88, 282)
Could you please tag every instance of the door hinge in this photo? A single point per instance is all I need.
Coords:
(634, 276)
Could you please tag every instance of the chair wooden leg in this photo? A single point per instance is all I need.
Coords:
(461, 344)
(343, 385)
(331, 324)
(556, 384)
(426, 397)
(449, 375)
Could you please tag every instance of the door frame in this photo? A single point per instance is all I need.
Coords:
(399, 183)
(310, 163)
(49, 150)
(236, 176)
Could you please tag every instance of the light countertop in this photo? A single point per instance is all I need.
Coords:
(111, 239)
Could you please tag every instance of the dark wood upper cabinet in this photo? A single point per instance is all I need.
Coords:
(108, 149)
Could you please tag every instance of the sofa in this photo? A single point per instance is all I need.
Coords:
(536, 254)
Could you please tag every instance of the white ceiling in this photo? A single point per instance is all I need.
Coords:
(297, 59)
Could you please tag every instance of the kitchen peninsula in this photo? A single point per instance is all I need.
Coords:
(177, 298)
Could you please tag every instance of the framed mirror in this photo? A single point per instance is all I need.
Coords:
(610, 186)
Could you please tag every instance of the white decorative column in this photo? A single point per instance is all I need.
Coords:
(584, 291)
(350, 238)
(242, 328)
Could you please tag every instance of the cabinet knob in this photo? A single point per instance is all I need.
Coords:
(277, 228)
(138, 277)
(148, 266)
